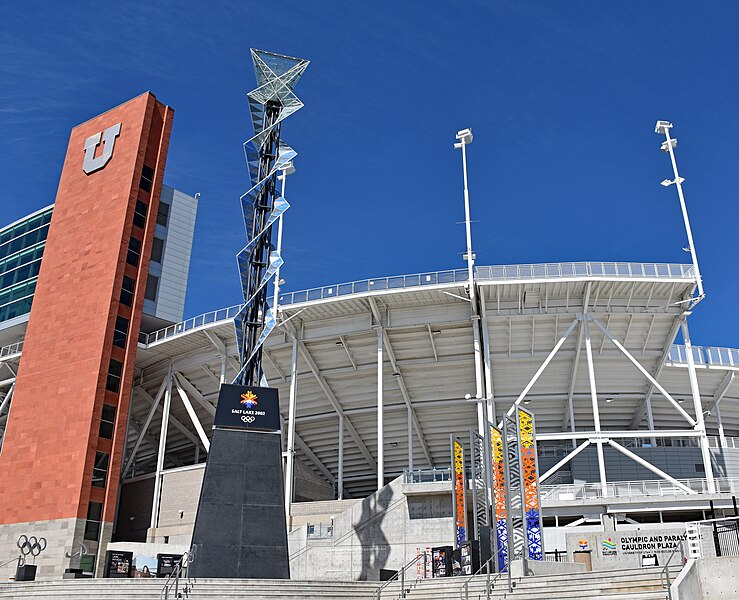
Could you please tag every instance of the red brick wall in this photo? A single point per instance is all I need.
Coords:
(52, 436)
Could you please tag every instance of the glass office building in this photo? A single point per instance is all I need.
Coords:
(21, 247)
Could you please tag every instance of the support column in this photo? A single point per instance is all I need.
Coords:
(380, 414)
(650, 418)
(596, 412)
(721, 434)
(289, 469)
(489, 390)
(479, 393)
(340, 491)
(410, 439)
(700, 423)
(162, 448)
(224, 362)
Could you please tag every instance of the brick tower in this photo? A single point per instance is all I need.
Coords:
(61, 458)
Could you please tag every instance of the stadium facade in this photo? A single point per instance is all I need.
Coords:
(635, 432)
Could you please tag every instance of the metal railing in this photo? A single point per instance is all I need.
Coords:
(19, 559)
(400, 576)
(705, 355)
(556, 556)
(173, 579)
(432, 475)
(214, 316)
(490, 577)
(579, 492)
(664, 576)
(11, 349)
(319, 531)
(483, 274)
(585, 269)
(494, 273)
(713, 537)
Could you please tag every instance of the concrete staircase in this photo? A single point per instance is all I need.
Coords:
(202, 589)
(631, 584)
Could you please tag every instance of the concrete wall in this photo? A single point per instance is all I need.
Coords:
(62, 535)
(624, 547)
(708, 579)
(383, 531)
(179, 503)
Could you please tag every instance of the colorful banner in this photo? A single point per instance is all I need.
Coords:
(460, 507)
(499, 496)
(530, 481)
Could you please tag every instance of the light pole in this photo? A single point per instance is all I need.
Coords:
(465, 137)
(668, 146)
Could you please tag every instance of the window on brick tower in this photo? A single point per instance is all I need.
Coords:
(94, 517)
(100, 469)
(127, 290)
(120, 333)
(107, 422)
(134, 251)
(139, 215)
(147, 178)
(115, 373)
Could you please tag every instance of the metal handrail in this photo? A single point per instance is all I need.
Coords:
(587, 491)
(174, 577)
(464, 591)
(15, 348)
(705, 355)
(664, 575)
(21, 561)
(401, 575)
(209, 318)
(648, 488)
(494, 273)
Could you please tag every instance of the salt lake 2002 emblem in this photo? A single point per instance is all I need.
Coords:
(249, 399)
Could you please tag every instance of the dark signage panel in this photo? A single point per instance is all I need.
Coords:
(118, 563)
(166, 563)
(245, 407)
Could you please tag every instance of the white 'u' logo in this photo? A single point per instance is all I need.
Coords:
(92, 164)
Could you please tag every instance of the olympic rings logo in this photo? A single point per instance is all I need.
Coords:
(31, 545)
(248, 418)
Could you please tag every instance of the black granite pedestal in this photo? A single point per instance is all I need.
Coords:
(240, 529)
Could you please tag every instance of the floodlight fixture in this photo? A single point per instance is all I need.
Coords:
(464, 136)
(671, 143)
(662, 127)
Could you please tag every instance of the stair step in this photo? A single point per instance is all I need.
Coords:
(628, 584)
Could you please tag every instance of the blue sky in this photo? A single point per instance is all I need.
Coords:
(562, 99)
